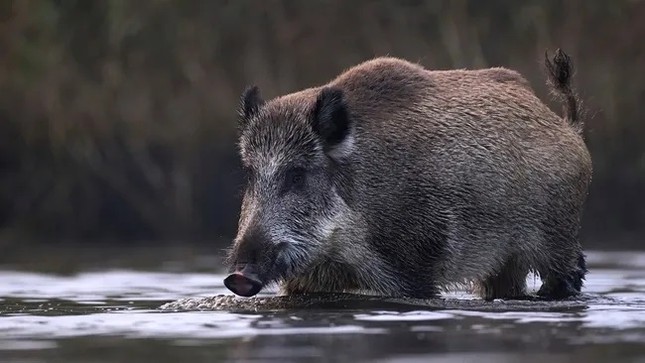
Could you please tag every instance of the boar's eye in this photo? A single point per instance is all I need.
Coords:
(295, 178)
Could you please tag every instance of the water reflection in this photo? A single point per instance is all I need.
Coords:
(106, 316)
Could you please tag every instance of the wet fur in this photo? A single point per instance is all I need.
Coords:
(447, 178)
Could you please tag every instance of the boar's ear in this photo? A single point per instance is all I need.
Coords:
(330, 118)
(250, 103)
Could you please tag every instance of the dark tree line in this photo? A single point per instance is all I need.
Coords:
(117, 118)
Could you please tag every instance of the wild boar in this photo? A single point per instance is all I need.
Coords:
(395, 180)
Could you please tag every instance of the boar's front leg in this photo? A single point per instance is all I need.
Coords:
(508, 283)
(327, 277)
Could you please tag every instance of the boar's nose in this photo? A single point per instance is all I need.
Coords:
(244, 281)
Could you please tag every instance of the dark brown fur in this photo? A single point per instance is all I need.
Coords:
(445, 177)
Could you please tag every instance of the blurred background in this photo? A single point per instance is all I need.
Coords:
(117, 117)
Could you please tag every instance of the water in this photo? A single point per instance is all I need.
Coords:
(112, 316)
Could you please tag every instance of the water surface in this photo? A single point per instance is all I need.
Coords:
(112, 315)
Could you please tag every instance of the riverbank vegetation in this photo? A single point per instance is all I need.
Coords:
(117, 118)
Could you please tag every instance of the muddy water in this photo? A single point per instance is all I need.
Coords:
(114, 316)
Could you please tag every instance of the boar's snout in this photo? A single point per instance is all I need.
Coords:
(249, 264)
(244, 281)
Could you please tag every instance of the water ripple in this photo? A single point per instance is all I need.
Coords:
(93, 310)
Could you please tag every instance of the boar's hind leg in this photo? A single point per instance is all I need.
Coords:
(565, 280)
(563, 267)
(508, 283)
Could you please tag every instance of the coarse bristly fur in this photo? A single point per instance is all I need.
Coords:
(396, 180)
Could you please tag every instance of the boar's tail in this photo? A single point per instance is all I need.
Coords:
(560, 72)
